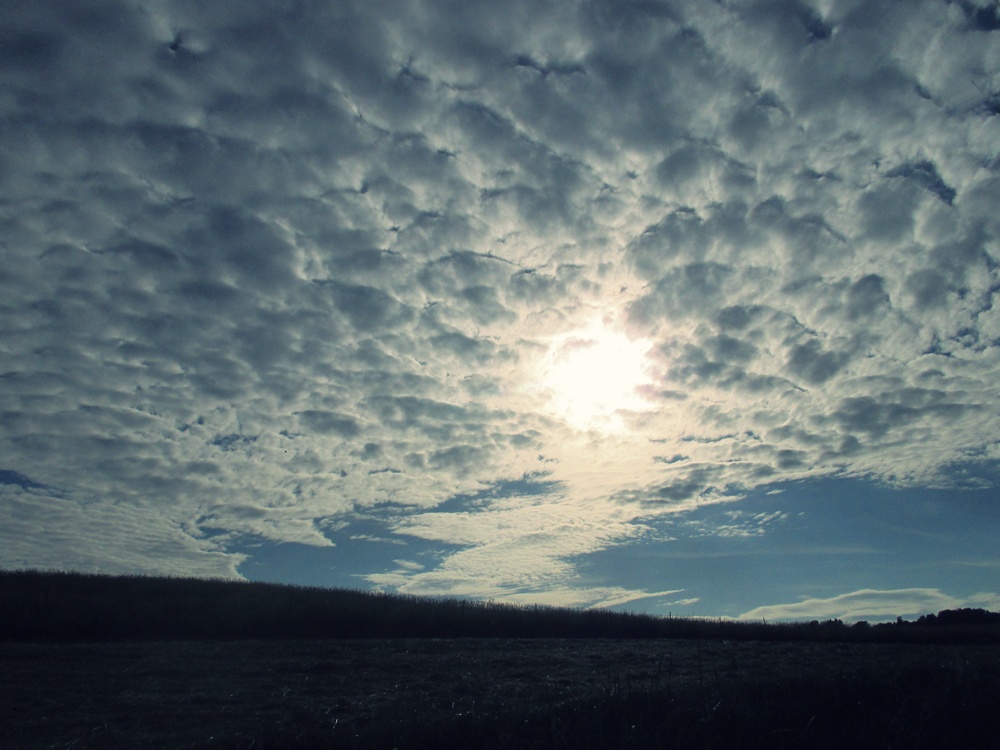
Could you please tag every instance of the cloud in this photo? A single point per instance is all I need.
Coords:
(310, 260)
(44, 530)
(868, 604)
(738, 523)
(517, 548)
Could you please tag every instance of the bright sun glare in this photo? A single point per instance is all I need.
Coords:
(592, 375)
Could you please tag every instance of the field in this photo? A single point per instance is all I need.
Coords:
(89, 661)
(496, 692)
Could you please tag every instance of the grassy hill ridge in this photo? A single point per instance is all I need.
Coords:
(64, 606)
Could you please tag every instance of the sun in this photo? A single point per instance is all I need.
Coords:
(594, 375)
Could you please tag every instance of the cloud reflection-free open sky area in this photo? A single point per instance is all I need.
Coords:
(676, 307)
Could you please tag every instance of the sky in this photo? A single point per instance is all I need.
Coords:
(673, 307)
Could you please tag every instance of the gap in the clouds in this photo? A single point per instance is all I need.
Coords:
(530, 485)
(812, 538)
(364, 547)
(17, 479)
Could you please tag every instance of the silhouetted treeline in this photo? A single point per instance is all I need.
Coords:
(76, 606)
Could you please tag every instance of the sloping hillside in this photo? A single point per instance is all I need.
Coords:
(76, 606)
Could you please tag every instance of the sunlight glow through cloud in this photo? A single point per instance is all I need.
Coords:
(591, 375)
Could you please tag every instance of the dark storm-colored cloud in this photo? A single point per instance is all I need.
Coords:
(877, 417)
(888, 211)
(683, 489)
(928, 289)
(866, 297)
(730, 349)
(327, 422)
(810, 362)
(368, 308)
(738, 317)
(719, 360)
(28, 50)
(684, 290)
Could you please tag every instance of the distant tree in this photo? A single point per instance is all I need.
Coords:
(967, 616)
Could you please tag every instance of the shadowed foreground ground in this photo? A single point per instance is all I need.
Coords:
(496, 693)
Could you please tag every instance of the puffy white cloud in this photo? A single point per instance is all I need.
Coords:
(265, 266)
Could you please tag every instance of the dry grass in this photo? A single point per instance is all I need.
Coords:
(409, 692)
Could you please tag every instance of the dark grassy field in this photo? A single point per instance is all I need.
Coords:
(497, 693)
(101, 662)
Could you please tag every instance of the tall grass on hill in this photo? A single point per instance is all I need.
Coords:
(38, 605)
(77, 606)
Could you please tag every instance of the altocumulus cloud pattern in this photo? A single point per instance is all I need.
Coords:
(300, 272)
